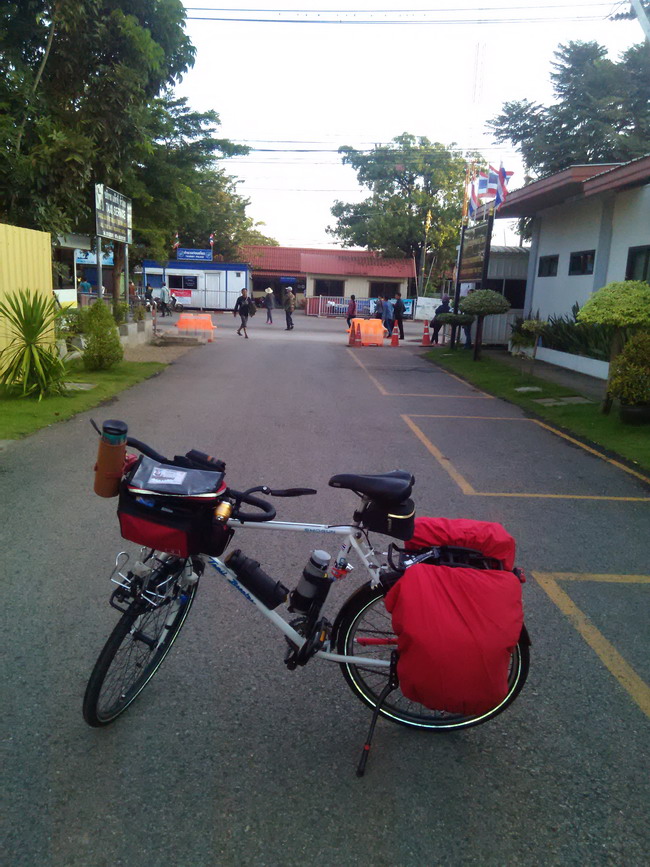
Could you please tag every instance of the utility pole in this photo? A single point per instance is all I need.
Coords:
(642, 15)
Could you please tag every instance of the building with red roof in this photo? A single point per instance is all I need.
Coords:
(334, 273)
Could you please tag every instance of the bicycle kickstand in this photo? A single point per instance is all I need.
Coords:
(393, 683)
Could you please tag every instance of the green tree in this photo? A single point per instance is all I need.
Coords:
(407, 179)
(76, 81)
(601, 111)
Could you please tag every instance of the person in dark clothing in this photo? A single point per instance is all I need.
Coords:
(242, 306)
(289, 307)
(269, 304)
(352, 309)
(398, 314)
(435, 324)
(379, 309)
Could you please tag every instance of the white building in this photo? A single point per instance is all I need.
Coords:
(591, 226)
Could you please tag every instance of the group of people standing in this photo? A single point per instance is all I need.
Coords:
(245, 306)
(391, 312)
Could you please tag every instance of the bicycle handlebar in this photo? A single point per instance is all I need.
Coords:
(267, 509)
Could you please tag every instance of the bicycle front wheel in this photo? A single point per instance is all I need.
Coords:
(134, 652)
(365, 616)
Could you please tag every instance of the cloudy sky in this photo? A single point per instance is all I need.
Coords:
(285, 88)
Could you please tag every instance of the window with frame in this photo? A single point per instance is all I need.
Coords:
(547, 266)
(333, 288)
(638, 264)
(582, 263)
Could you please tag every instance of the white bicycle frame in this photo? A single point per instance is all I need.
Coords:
(362, 548)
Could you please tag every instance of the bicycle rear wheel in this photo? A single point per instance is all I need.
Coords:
(134, 652)
(365, 616)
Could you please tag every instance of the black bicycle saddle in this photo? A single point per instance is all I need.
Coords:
(390, 487)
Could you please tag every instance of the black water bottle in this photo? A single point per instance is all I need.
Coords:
(314, 582)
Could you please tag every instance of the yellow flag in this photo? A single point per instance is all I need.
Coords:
(427, 224)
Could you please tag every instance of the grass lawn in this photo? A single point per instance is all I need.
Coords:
(20, 416)
(584, 420)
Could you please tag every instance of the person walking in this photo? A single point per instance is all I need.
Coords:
(379, 308)
(289, 307)
(269, 303)
(435, 324)
(352, 309)
(388, 315)
(398, 314)
(164, 301)
(243, 307)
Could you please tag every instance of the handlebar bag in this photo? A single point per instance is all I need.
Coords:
(170, 508)
(456, 630)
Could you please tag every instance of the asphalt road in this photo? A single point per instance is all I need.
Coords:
(228, 758)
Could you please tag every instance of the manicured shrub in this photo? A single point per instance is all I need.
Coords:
(630, 375)
(482, 303)
(103, 347)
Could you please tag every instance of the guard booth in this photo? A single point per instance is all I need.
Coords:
(200, 285)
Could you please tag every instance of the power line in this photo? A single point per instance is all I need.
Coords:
(341, 21)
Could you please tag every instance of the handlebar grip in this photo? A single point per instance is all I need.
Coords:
(146, 450)
(207, 460)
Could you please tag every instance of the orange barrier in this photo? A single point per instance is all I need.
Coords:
(369, 332)
(426, 337)
(394, 339)
(196, 322)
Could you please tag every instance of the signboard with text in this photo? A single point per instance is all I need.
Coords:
(188, 254)
(113, 215)
(476, 246)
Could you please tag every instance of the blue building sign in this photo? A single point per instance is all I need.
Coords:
(288, 279)
(188, 254)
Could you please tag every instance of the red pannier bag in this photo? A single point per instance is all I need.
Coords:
(457, 627)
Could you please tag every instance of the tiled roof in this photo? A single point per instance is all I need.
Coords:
(303, 260)
(361, 265)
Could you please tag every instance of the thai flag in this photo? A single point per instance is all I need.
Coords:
(473, 202)
(212, 239)
(502, 186)
(487, 182)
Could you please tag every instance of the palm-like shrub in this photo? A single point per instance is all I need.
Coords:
(482, 303)
(103, 348)
(31, 362)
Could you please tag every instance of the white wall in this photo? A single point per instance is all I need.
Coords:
(631, 228)
(566, 229)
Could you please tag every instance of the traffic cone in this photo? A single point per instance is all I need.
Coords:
(394, 340)
(426, 337)
(357, 337)
(352, 341)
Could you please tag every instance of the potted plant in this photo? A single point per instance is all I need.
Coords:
(630, 380)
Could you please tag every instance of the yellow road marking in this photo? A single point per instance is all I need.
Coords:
(462, 483)
(470, 491)
(592, 451)
(635, 686)
(380, 388)
(607, 579)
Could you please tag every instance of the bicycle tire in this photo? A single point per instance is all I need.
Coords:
(142, 653)
(364, 613)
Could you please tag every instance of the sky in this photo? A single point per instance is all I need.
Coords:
(287, 87)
